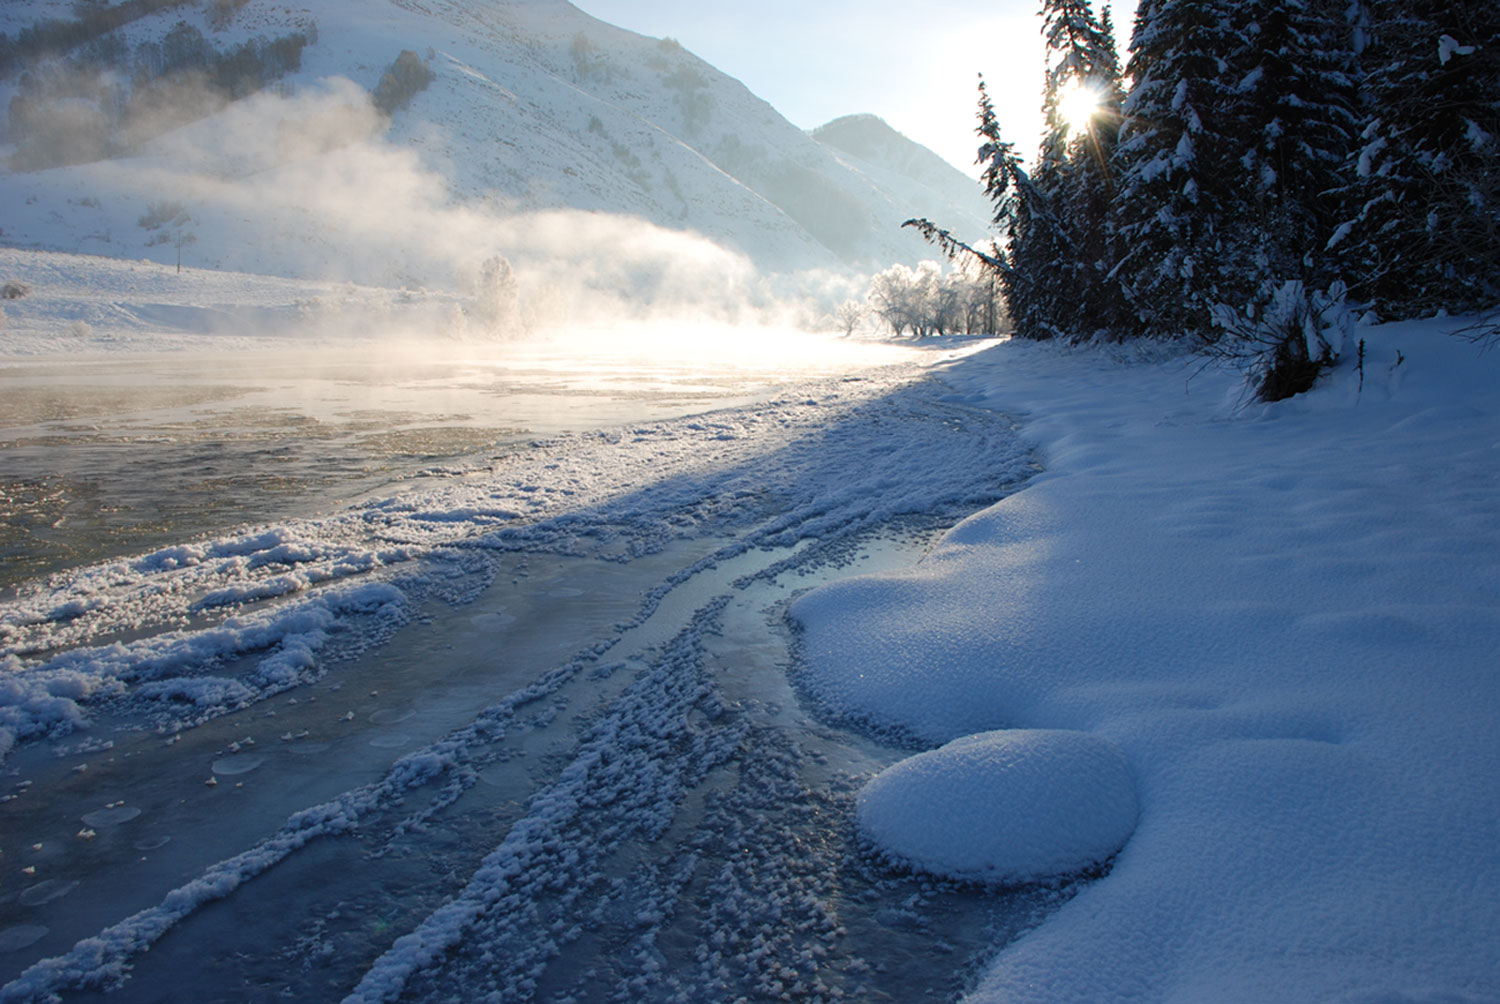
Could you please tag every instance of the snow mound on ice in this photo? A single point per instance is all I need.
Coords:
(1008, 806)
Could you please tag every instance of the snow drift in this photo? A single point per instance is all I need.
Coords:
(1283, 615)
(1009, 806)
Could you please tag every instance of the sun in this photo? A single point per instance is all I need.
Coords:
(1078, 105)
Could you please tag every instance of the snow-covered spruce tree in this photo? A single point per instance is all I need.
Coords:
(1054, 267)
(1288, 121)
(1177, 181)
(1425, 234)
(1024, 222)
(1293, 116)
(1027, 228)
(1074, 165)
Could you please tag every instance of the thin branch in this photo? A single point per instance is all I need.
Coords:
(952, 246)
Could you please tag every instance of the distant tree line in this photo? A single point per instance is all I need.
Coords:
(1270, 165)
(105, 97)
(924, 301)
(55, 36)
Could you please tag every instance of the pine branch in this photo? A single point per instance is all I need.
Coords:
(951, 246)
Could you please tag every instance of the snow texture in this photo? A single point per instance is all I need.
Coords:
(1010, 806)
(1282, 615)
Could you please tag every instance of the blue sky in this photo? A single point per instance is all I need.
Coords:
(913, 65)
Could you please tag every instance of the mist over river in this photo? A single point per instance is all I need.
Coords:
(108, 455)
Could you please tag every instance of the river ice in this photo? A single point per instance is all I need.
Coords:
(520, 730)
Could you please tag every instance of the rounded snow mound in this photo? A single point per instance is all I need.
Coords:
(1002, 807)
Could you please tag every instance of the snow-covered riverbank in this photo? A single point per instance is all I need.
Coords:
(1286, 617)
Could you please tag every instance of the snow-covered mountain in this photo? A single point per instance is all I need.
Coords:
(918, 176)
(542, 134)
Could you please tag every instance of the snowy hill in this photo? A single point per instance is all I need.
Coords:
(919, 177)
(534, 112)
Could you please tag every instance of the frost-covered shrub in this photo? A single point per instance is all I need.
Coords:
(849, 315)
(497, 300)
(589, 62)
(161, 214)
(926, 301)
(221, 13)
(1286, 337)
(14, 290)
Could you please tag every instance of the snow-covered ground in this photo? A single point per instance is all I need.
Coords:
(1287, 619)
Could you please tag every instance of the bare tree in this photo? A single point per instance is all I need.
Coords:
(849, 316)
(497, 304)
(926, 302)
(169, 223)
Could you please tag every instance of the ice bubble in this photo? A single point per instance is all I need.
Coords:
(230, 765)
(1003, 807)
(391, 740)
(390, 716)
(45, 892)
(13, 939)
(492, 622)
(112, 815)
(152, 843)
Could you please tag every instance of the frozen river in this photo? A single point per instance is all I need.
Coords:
(115, 454)
(523, 727)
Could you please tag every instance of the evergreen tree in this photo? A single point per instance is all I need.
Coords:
(1174, 204)
(1293, 113)
(1052, 264)
(1426, 235)
(1027, 228)
(1074, 166)
(1022, 221)
(1270, 158)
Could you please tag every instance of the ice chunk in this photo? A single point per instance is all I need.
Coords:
(112, 815)
(13, 939)
(1003, 807)
(45, 892)
(238, 764)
